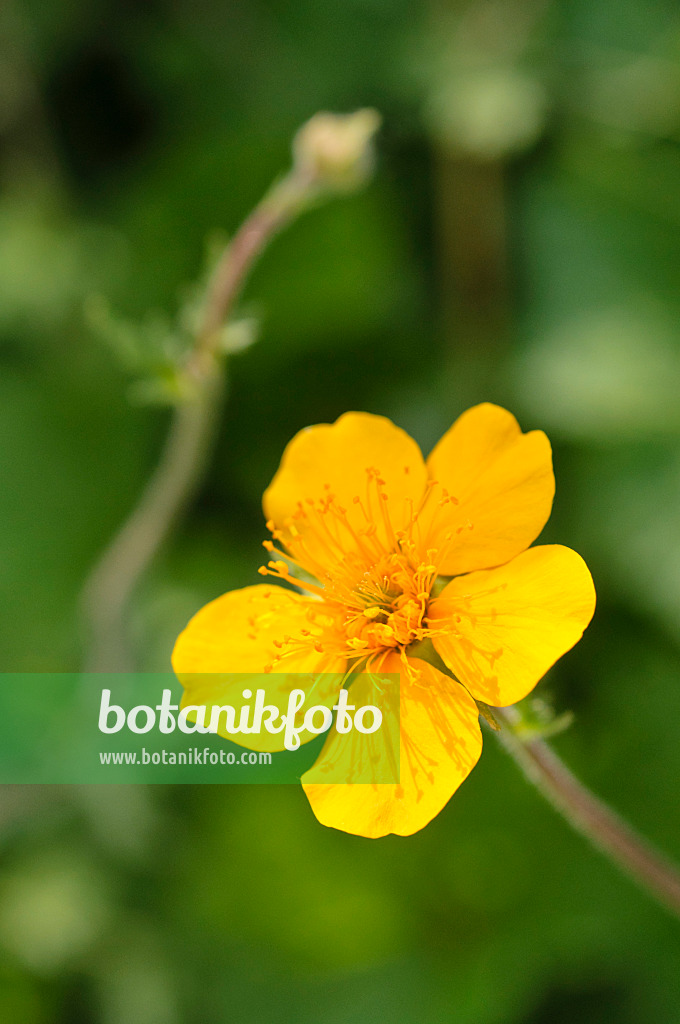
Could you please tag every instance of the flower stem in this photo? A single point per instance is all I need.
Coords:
(115, 577)
(589, 815)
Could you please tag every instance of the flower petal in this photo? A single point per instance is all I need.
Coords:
(440, 745)
(333, 459)
(238, 631)
(503, 628)
(503, 485)
(235, 635)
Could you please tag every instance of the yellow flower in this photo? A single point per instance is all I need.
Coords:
(356, 509)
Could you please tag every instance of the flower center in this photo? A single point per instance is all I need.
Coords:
(374, 586)
(387, 606)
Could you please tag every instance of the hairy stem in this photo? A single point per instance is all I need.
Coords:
(589, 815)
(114, 579)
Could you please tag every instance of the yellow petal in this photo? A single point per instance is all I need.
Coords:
(238, 632)
(503, 485)
(333, 459)
(503, 628)
(235, 635)
(440, 745)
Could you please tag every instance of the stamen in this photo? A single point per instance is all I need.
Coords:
(376, 582)
(280, 571)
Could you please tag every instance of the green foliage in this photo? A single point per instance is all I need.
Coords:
(130, 132)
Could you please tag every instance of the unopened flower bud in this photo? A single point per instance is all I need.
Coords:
(336, 150)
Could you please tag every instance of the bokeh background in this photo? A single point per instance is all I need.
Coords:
(520, 243)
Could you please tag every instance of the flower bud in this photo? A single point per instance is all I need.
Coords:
(336, 150)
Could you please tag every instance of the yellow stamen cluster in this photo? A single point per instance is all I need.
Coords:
(372, 583)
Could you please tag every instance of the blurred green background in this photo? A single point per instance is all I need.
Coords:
(520, 243)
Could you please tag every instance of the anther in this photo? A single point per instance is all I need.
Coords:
(372, 613)
(279, 567)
